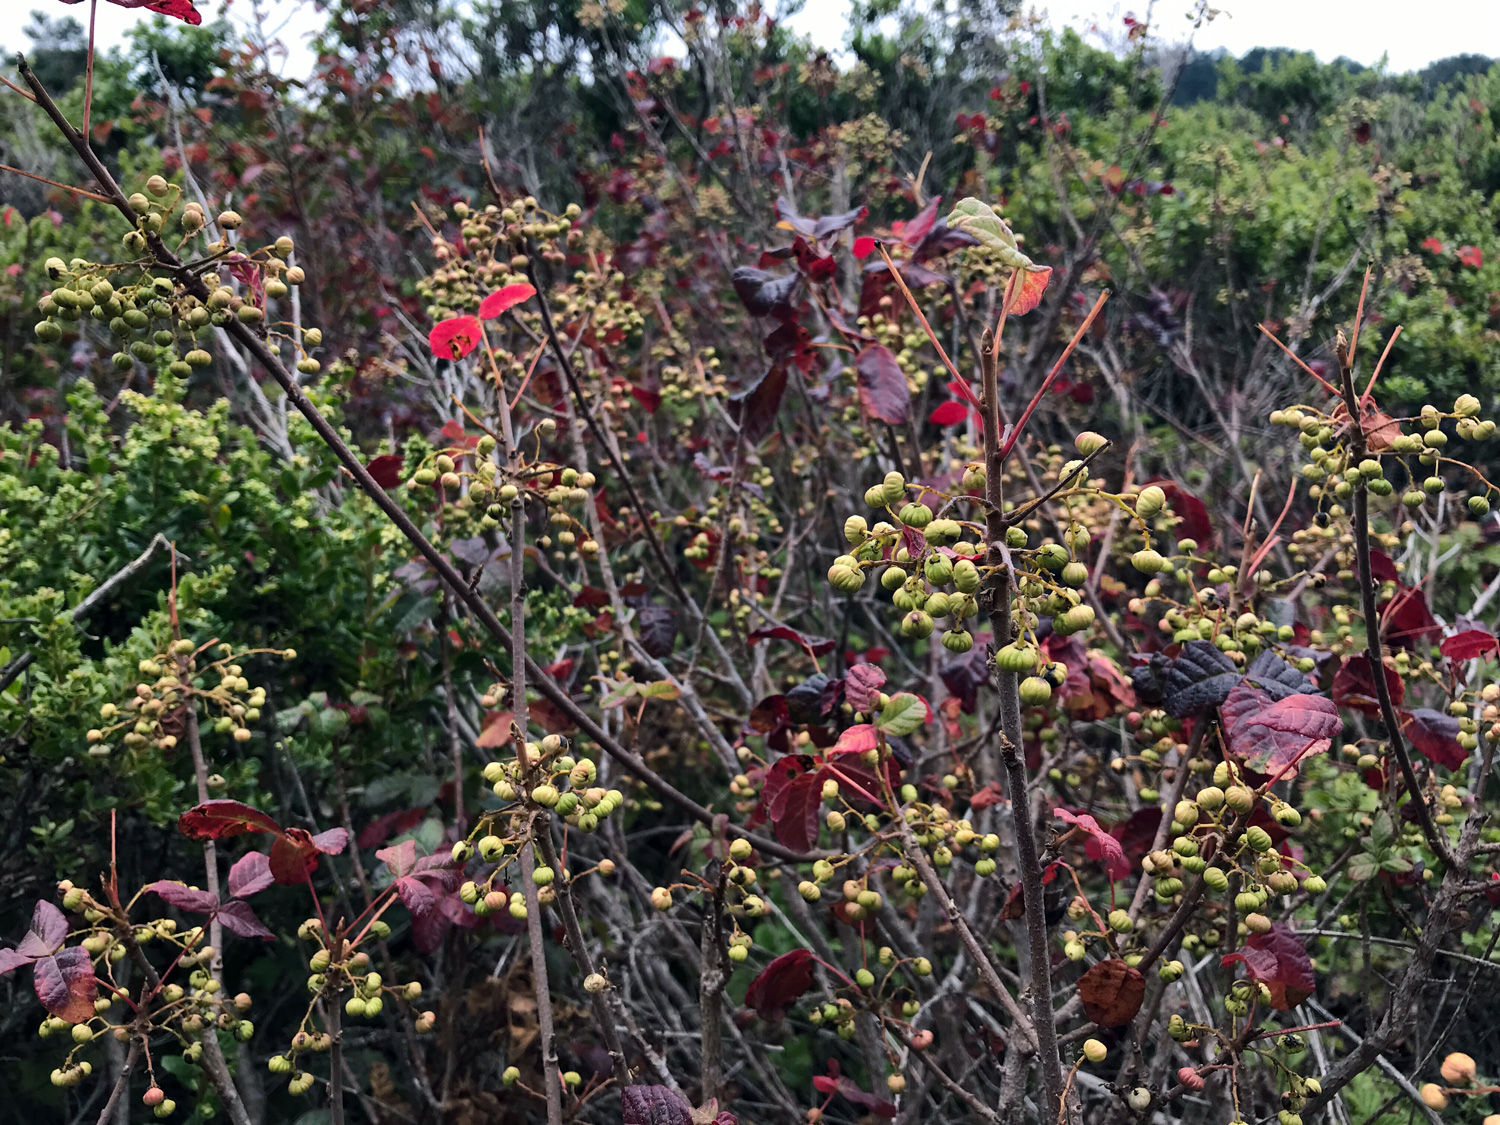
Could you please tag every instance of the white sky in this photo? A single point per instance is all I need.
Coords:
(1364, 30)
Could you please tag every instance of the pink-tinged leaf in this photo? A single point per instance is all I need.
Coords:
(382, 828)
(1354, 686)
(949, 413)
(858, 739)
(65, 984)
(654, 1105)
(1270, 736)
(386, 469)
(506, 298)
(883, 392)
(814, 646)
(399, 859)
(49, 929)
(12, 959)
(237, 917)
(1112, 992)
(1101, 845)
(780, 984)
(332, 842)
(1435, 735)
(864, 247)
(183, 896)
(1469, 644)
(1030, 286)
(862, 686)
(1278, 960)
(215, 820)
(456, 337)
(250, 875)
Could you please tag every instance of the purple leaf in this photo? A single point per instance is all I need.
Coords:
(250, 875)
(883, 392)
(183, 896)
(66, 986)
(331, 842)
(654, 1105)
(416, 895)
(765, 294)
(11, 959)
(237, 917)
(754, 409)
(49, 929)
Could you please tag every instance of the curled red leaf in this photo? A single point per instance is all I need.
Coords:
(215, 820)
(1101, 845)
(502, 299)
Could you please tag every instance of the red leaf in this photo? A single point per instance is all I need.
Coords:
(1469, 644)
(214, 820)
(1278, 960)
(780, 984)
(1268, 736)
(857, 739)
(183, 896)
(294, 857)
(386, 469)
(1433, 245)
(456, 337)
(794, 810)
(883, 392)
(1195, 523)
(919, 225)
(502, 299)
(814, 646)
(864, 247)
(382, 828)
(1101, 845)
(1407, 621)
(238, 918)
(1027, 294)
(1354, 686)
(1112, 992)
(177, 9)
(250, 875)
(65, 984)
(1436, 736)
(1470, 256)
(862, 686)
(950, 413)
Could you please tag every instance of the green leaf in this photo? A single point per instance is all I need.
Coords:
(661, 689)
(1382, 831)
(903, 714)
(1364, 867)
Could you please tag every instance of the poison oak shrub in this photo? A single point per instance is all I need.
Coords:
(769, 671)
